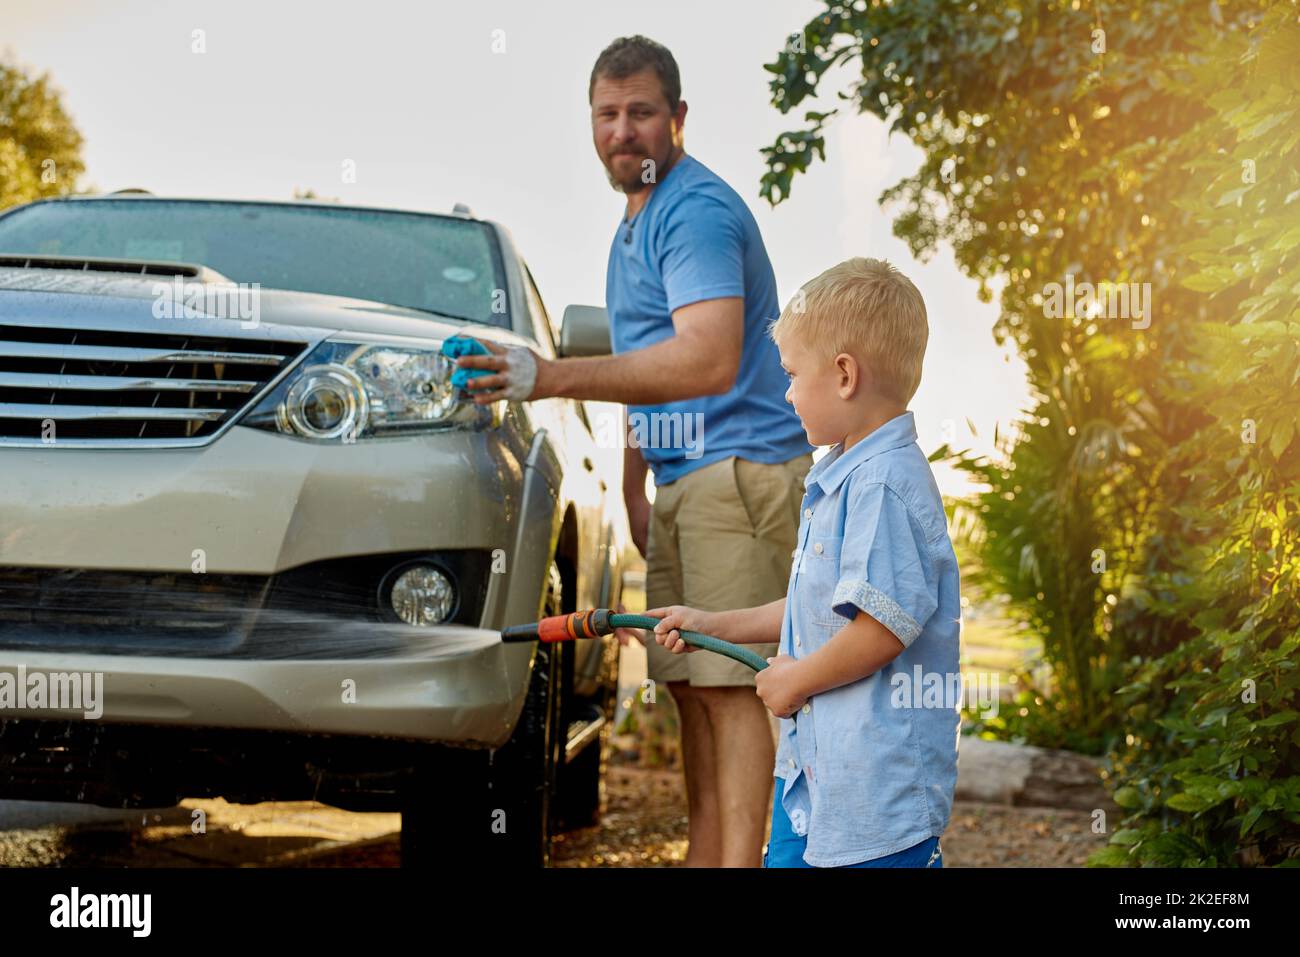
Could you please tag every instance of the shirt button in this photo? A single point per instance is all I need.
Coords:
(807, 513)
(792, 762)
(794, 552)
(818, 548)
(797, 642)
(807, 709)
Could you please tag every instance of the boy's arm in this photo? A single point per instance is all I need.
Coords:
(742, 626)
(758, 625)
(860, 648)
(883, 590)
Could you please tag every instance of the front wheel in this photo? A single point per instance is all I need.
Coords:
(494, 808)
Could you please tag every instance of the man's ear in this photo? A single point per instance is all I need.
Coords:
(850, 375)
(679, 123)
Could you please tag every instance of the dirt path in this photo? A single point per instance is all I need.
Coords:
(645, 826)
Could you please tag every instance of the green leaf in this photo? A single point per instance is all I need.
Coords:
(1127, 797)
(1188, 802)
(1233, 195)
(1126, 837)
(1109, 856)
(1211, 280)
(1249, 820)
(1278, 441)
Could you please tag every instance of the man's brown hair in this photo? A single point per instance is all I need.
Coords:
(629, 55)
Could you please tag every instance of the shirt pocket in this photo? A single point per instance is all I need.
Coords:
(821, 571)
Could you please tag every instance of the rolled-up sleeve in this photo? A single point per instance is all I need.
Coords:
(884, 563)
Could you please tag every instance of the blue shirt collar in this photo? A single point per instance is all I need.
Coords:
(659, 188)
(836, 464)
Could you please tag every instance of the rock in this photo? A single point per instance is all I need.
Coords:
(997, 772)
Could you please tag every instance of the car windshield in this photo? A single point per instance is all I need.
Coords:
(440, 264)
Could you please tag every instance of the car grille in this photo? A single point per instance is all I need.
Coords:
(76, 609)
(326, 609)
(115, 387)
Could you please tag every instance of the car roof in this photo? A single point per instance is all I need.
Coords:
(327, 204)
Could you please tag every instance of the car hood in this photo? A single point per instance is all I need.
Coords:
(314, 314)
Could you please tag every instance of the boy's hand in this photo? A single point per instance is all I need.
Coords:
(780, 685)
(677, 618)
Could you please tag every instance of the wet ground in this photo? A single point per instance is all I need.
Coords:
(644, 825)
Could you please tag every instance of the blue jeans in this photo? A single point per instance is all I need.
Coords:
(786, 848)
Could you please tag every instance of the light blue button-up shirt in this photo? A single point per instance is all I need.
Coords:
(869, 768)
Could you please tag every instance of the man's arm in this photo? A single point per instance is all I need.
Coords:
(702, 357)
(634, 497)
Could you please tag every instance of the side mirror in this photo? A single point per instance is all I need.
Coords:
(584, 331)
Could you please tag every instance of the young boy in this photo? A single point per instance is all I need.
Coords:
(866, 761)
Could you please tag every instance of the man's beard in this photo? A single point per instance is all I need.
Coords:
(634, 183)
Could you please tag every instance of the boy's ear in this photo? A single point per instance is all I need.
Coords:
(850, 374)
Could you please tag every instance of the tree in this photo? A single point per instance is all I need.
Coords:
(40, 148)
(1072, 142)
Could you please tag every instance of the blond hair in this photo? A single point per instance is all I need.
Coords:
(869, 309)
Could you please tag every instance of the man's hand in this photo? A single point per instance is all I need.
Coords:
(626, 635)
(521, 374)
(781, 686)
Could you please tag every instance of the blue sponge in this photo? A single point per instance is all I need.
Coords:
(458, 346)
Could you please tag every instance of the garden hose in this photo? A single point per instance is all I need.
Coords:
(595, 622)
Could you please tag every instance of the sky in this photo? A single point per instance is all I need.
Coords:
(485, 103)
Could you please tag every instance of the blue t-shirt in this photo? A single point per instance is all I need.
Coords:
(695, 239)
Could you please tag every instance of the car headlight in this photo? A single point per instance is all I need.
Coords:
(347, 389)
(324, 402)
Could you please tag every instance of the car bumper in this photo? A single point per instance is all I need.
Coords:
(257, 504)
(464, 692)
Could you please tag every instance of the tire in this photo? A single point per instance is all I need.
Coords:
(578, 803)
(494, 808)
(579, 792)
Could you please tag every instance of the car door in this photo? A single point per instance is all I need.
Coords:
(590, 492)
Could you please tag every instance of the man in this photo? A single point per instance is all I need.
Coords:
(690, 293)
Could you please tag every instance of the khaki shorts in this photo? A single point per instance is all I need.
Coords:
(720, 538)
